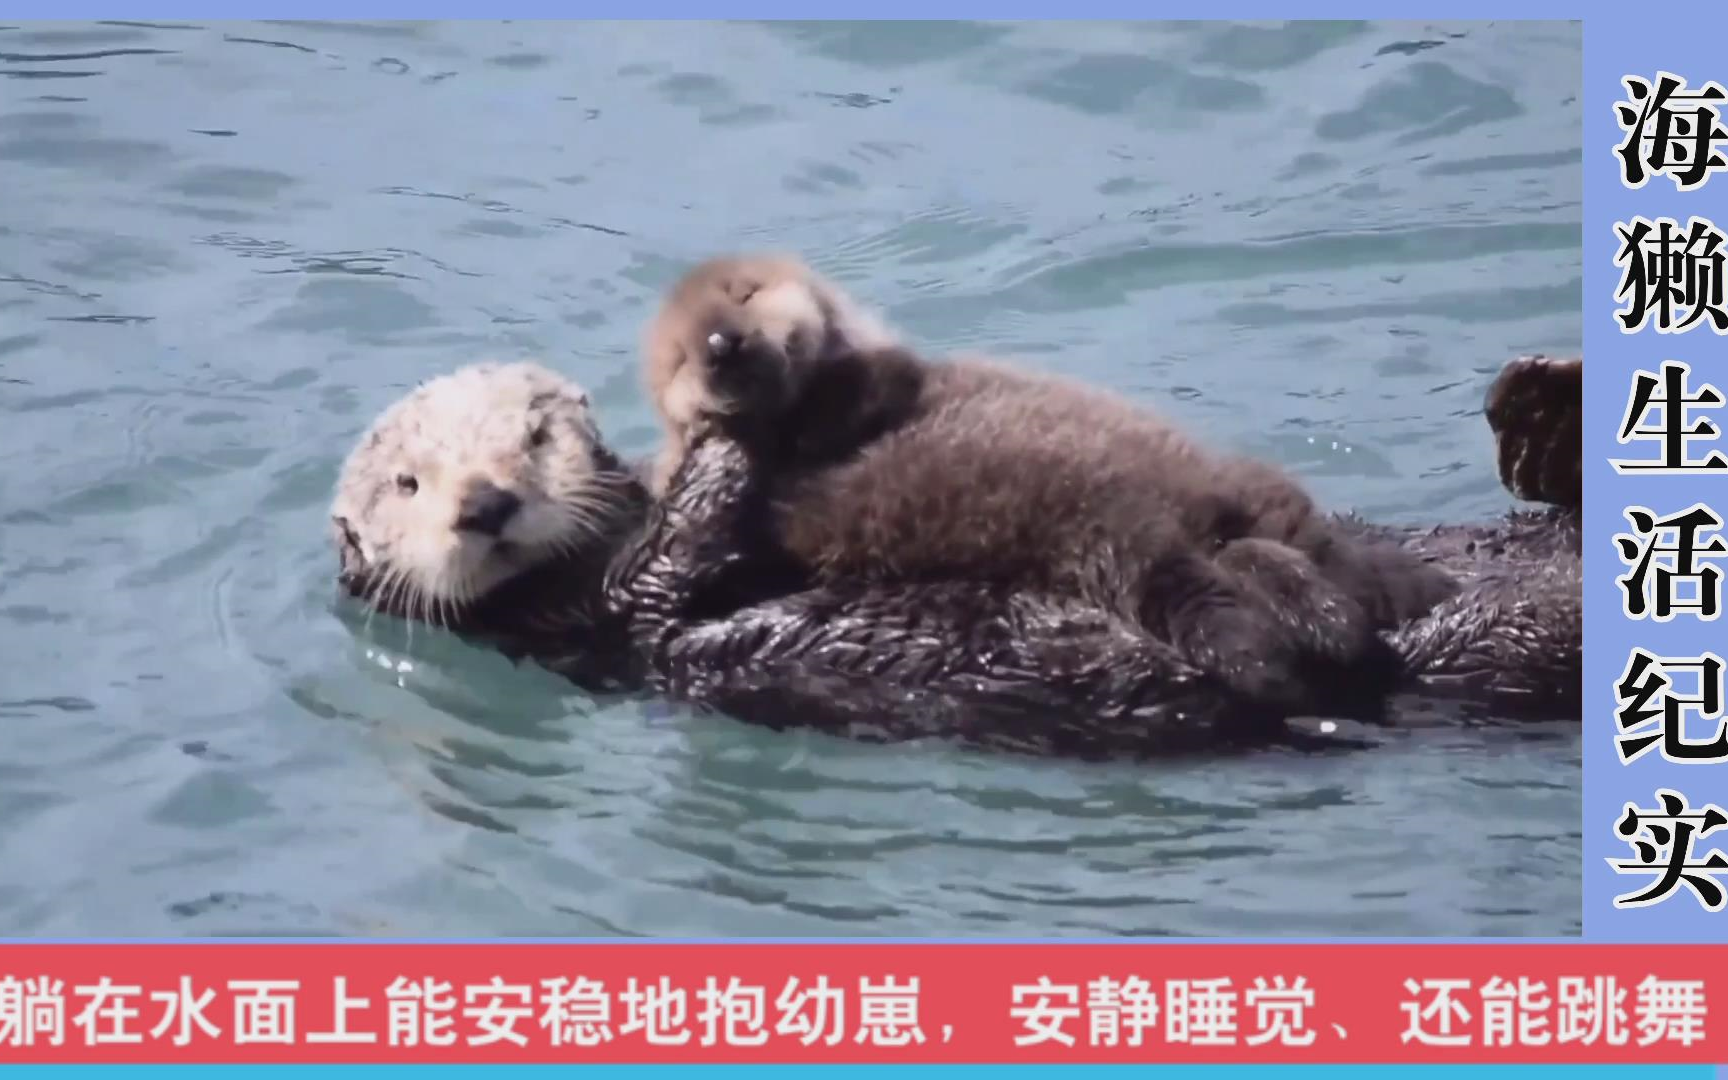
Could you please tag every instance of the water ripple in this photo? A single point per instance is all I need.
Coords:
(226, 246)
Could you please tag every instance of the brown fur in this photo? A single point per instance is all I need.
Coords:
(1535, 409)
(791, 312)
(886, 467)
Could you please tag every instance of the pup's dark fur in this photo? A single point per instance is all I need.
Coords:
(884, 467)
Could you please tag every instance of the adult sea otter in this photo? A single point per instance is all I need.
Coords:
(486, 501)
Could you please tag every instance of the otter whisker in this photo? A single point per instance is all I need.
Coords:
(369, 597)
(402, 599)
(376, 597)
(374, 602)
(374, 584)
(574, 524)
(397, 596)
(429, 602)
(556, 548)
(458, 598)
(409, 603)
(593, 501)
(587, 514)
(613, 484)
(443, 597)
(400, 595)
(452, 604)
(429, 605)
(415, 605)
(582, 518)
(603, 486)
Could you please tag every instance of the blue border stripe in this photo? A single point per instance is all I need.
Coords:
(1613, 50)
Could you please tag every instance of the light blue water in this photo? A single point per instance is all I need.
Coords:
(223, 248)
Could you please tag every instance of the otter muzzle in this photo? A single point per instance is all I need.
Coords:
(486, 508)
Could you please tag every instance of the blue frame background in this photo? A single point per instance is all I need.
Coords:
(1616, 45)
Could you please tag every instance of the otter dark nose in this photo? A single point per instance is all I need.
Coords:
(487, 508)
(722, 345)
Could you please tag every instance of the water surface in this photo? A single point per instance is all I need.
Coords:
(223, 248)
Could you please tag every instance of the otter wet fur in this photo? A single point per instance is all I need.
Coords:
(1534, 410)
(883, 466)
(485, 502)
(611, 596)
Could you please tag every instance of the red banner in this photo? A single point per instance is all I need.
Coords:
(648, 1002)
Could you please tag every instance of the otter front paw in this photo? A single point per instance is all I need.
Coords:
(1320, 619)
(723, 355)
(702, 428)
(1248, 652)
(747, 376)
(1260, 617)
(1535, 408)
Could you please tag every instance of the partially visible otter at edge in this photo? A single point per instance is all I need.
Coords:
(485, 500)
(878, 466)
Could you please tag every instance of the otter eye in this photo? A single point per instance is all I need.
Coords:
(406, 484)
(540, 436)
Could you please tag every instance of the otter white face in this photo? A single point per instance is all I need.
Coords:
(470, 479)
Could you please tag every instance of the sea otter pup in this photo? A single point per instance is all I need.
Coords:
(607, 599)
(882, 467)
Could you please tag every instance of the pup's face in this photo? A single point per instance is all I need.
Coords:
(736, 335)
(472, 478)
